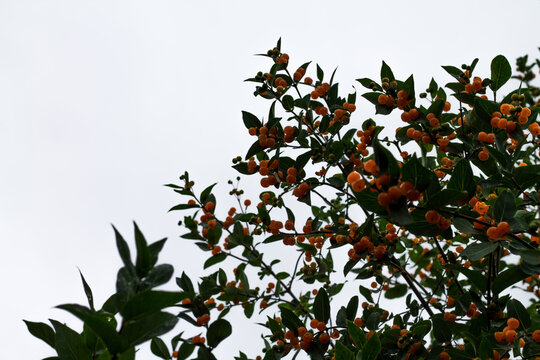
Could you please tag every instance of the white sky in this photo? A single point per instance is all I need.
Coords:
(102, 102)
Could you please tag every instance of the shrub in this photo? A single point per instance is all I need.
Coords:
(450, 227)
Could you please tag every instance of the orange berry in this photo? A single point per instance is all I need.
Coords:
(432, 216)
(383, 199)
(353, 177)
(492, 232)
(510, 335)
(447, 106)
(382, 99)
(536, 336)
(503, 227)
(314, 323)
(324, 338)
(513, 323)
(175, 354)
(394, 192)
(444, 356)
(499, 336)
(483, 155)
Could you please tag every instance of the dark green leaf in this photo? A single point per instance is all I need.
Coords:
(143, 262)
(185, 351)
(372, 348)
(342, 352)
(215, 259)
(250, 120)
(508, 278)
(477, 251)
(417, 174)
(41, 331)
(218, 331)
(462, 177)
(474, 277)
(69, 344)
(123, 250)
(100, 325)
(386, 72)
(320, 73)
(321, 306)
(158, 348)
(358, 335)
(184, 282)
(87, 291)
(352, 307)
(206, 193)
(441, 329)
(288, 102)
(366, 293)
(516, 310)
(138, 331)
(501, 71)
(148, 302)
(158, 275)
(396, 292)
(505, 207)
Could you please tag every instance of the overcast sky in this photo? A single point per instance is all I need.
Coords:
(103, 102)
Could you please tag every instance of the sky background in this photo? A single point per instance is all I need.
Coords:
(103, 102)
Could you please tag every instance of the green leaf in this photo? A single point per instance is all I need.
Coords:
(366, 293)
(148, 302)
(321, 306)
(100, 325)
(504, 207)
(123, 250)
(526, 176)
(386, 72)
(215, 259)
(474, 277)
(250, 120)
(288, 102)
(184, 282)
(158, 348)
(485, 349)
(158, 275)
(386, 161)
(462, 177)
(206, 193)
(477, 251)
(358, 336)
(531, 257)
(342, 352)
(372, 348)
(41, 331)
(138, 331)
(186, 349)
(143, 261)
(320, 73)
(290, 319)
(367, 83)
(87, 291)
(454, 71)
(516, 310)
(501, 71)
(445, 197)
(417, 174)
(441, 329)
(508, 278)
(352, 307)
(396, 292)
(421, 328)
(218, 331)
(69, 344)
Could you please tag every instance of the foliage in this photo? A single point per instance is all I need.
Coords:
(452, 228)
